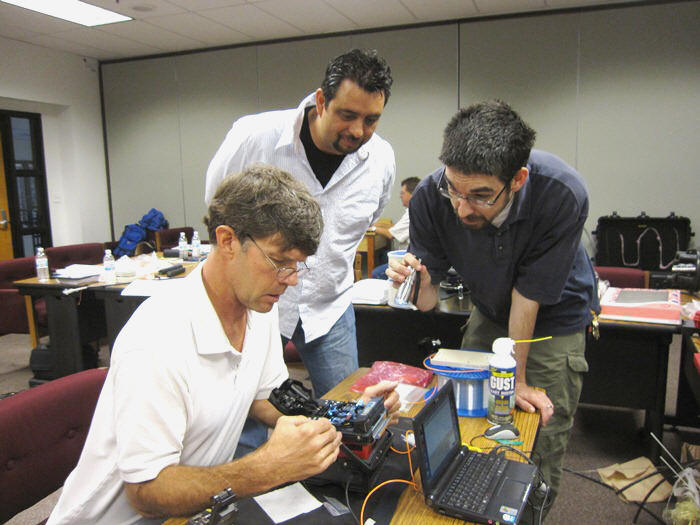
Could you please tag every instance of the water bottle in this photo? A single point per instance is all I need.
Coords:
(42, 265)
(196, 245)
(501, 382)
(110, 269)
(182, 245)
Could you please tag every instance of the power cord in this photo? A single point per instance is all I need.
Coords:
(598, 482)
(347, 500)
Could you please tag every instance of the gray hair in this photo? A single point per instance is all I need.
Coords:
(263, 200)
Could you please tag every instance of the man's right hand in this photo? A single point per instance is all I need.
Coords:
(397, 271)
(300, 447)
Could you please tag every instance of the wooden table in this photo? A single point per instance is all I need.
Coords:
(411, 508)
(73, 319)
(369, 245)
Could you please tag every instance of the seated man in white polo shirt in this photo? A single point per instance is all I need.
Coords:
(192, 363)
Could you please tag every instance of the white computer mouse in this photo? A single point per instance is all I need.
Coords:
(506, 431)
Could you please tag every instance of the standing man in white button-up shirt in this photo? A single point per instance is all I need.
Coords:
(328, 143)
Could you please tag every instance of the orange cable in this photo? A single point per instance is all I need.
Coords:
(362, 512)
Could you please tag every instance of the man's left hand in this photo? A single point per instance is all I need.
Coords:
(530, 399)
(387, 389)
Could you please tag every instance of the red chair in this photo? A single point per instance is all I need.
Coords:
(87, 253)
(42, 433)
(167, 238)
(620, 277)
(13, 313)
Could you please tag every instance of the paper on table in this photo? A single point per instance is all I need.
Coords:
(149, 287)
(370, 291)
(285, 503)
(78, 271)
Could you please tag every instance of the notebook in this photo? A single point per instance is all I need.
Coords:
(447, 469)
(641, 304)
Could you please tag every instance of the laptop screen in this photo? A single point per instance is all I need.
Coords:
(440, 432)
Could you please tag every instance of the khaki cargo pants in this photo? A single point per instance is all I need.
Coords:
(556, 365)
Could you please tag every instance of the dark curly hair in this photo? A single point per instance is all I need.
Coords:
(364, 67)
(487, 138)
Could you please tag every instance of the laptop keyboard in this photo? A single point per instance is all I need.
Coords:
(471, 487)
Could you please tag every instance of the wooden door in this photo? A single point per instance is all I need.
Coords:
(6, 251)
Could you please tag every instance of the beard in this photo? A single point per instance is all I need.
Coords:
(355, 144)
(476, 222)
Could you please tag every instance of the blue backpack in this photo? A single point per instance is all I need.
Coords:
(135, 233)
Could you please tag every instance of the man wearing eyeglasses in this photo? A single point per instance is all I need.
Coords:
(194, 361)
(509, 220)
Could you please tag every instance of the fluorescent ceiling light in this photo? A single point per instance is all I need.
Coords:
(71, 10)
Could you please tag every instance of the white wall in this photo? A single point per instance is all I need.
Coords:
(613, 92)
(65, 90)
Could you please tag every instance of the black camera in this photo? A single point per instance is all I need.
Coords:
(684, 274)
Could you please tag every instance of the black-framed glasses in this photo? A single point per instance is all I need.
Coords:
(448, 191)
(283, 273)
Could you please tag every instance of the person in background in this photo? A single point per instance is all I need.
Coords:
(192, 363)
(509, 220)
(329, 144)
(398, 231)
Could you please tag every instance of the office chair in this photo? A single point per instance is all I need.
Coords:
(42, 433)
(13, 314)
(621, 277)
(167, 238)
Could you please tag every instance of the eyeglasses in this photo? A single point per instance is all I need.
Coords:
(448, 191)
(283, 273)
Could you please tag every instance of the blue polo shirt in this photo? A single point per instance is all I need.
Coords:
(536, 250)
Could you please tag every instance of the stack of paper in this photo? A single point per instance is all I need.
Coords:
(642, 305)
(78, 274)
(370, 291)
(468, 359)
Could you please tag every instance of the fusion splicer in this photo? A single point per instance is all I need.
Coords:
(365, 440)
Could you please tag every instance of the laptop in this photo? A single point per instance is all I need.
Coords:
(473, 486)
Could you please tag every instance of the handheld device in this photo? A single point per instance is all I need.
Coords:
(365, 440)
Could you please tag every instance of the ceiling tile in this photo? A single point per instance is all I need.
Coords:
(109, 42)
(492, 7)
(53, 42)
(156, 37)
(557, 4)
(32, 21)
(200, 5)
(370, 13)
(311, 16)
(14, 32)
(440, 9)
(199, 28)
(251, 21)
(138, 9)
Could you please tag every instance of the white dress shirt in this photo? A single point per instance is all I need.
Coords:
(353, 199)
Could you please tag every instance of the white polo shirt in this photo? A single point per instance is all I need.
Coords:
(176, 393)
(400, 231)
(353, 199)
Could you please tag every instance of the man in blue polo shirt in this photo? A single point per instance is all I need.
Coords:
(509, 220)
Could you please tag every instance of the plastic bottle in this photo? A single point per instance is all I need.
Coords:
(182, 245)
(42, 265)
(196, 245)
(501, 382)
(110, 269)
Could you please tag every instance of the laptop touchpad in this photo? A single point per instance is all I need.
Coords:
(512, 492)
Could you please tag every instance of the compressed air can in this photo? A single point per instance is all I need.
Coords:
(501, 382)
